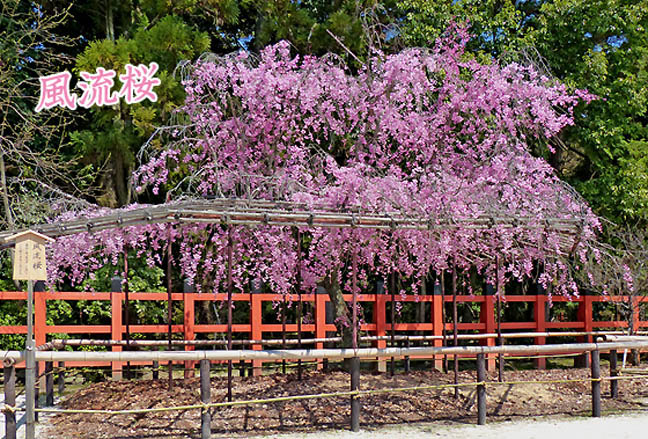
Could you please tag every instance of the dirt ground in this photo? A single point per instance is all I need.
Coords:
(505, 402)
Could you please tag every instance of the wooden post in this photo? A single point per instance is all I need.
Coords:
(156, 370)
(205, 398)
(61, 378)
(596, 384)
(481, 390)
(614, 384)
(49, 384)
(10, 399)
(355, 401)
(242, 368)
(407, 358)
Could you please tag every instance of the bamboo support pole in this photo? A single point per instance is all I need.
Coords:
(335, 354)
(59, 344)
(293, 214)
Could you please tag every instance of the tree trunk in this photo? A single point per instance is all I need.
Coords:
(11, 224)
(341, 313)
(110, 22)
(5, 193)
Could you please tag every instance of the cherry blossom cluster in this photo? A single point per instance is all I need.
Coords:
(423, 133)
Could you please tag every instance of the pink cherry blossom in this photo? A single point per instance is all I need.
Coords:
(422, 133)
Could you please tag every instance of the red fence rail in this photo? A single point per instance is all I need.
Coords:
(255, 328)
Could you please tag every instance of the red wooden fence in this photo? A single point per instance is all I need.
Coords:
(255, 327)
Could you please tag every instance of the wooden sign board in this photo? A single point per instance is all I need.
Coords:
(29, 256)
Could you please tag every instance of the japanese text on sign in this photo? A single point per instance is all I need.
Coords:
(137, 85)
(29, 261)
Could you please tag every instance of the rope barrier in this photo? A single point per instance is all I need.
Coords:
(9, 409)
(623, 378)
(359, 393)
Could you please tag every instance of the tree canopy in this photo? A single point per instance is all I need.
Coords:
(425, 134)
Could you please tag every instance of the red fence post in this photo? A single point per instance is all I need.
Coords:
(635, 305)
(487, 317)
(189, 321)
(437, 324)
(256, 332)
(585, 317)
(539, 317)
(116, 298)
(380, 317)
(40, 325)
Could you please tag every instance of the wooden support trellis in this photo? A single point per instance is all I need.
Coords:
(255, 212)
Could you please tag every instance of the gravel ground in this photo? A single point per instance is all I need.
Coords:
(41, 427)
(401, 414)
(628, 426)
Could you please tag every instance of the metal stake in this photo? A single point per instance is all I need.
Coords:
(481, 390)
(596, 384)
(205, 398)
(30, 366)
(614, 384)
